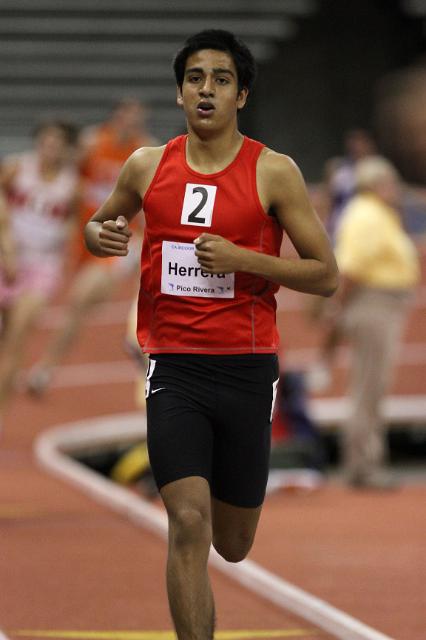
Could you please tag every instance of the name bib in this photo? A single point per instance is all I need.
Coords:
(181, 274)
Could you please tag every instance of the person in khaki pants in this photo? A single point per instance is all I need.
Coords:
(379, 270)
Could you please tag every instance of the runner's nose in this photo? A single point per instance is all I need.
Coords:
(207, 90)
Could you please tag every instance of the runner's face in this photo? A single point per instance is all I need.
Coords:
(128, 117)
(51, 146)
(210, 95)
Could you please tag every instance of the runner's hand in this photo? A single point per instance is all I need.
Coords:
(114, 237)
(217, 255)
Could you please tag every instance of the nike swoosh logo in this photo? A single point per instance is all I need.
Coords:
(160, 389)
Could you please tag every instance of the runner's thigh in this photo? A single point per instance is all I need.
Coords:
(243, 433)
(180, 436)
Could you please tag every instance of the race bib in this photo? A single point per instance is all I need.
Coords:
(198, 205)
(181, 275)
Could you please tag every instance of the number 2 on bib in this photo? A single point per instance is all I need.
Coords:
(198, 204)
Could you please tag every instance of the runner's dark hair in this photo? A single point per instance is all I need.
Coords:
(219, 40)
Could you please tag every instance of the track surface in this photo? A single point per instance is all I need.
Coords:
(68, 564)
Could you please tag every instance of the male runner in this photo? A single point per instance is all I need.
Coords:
(215, 205)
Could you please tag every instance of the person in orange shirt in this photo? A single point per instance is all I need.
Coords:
(104, 150)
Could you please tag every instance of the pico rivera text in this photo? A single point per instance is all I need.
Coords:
(181, 275)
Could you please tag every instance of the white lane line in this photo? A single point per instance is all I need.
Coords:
(3, 636)
(324, 410)
(412, 409)
(106, 313)
(410, 354)
(93, 373)
(50, 450)
(291, 598)
(115, 312)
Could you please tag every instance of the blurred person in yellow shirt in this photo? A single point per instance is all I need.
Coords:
(372, 247)
(379, 270)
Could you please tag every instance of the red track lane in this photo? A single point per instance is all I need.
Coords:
(67, 563)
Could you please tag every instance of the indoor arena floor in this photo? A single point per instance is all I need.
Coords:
(71, 567)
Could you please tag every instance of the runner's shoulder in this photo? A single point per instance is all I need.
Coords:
(277, 162)
(145, 158)
(274, 166)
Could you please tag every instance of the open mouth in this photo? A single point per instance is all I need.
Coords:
(205, 108)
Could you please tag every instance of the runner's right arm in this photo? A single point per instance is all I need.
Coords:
(107, 233)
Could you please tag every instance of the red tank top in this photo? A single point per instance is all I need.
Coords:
(183, 309)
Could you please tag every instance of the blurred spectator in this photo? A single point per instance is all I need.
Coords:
(340, 173)
(339, 177)
(379, 270)
(105, 149)
(40, 189)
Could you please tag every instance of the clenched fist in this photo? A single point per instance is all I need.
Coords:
(114, 237)
(218, 255)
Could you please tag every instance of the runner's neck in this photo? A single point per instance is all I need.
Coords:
(212, 155)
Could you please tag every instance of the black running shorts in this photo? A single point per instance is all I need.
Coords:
(210, 416)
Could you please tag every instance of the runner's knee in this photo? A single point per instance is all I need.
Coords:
(189, 526)
(234, 548)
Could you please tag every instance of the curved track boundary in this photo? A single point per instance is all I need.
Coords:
(51, 450)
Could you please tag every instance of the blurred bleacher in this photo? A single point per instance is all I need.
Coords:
(76, 59)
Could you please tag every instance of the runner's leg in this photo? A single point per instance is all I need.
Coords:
(93, 284)
(234, 529)
(21, 317)
(187, 502)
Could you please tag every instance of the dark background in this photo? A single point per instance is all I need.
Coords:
(324, 81)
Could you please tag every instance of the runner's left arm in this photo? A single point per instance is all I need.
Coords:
(283, 188)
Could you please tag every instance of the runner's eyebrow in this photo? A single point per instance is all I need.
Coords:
(222, 70)
(216, 70)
